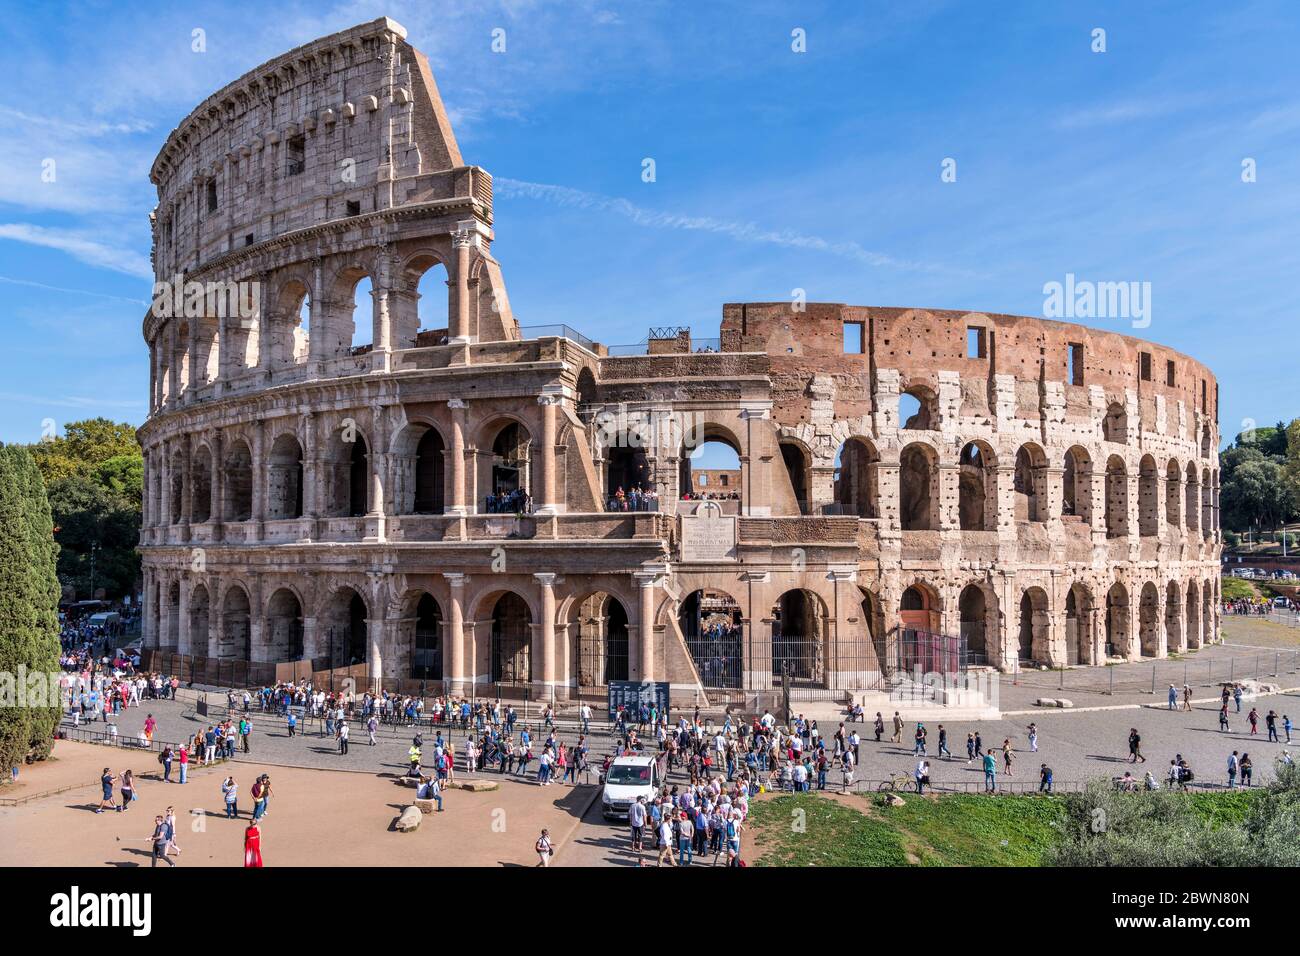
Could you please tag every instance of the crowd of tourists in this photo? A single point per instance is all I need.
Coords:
(636, 499)
(516, 502)
(1259, 606)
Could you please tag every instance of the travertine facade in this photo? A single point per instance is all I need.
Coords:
(1052, 496)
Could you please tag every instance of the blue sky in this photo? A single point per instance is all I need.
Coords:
(775, 170)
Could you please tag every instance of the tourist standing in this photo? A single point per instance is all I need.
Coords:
(544, 849)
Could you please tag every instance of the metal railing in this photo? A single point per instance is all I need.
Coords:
(556, 331)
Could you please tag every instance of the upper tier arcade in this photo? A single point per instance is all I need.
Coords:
(326, 165)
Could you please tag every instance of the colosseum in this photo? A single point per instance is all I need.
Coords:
(823, 497)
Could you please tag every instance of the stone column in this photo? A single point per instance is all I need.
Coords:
(316, 341)
(454, 634)
(173, 362)
(165, 498)
(148, 634)
(375, 518)
(310, 476)
(258, 452)
(310, 639)
(545, 634)
(187, 486)
(218, 482)
(192, 378)
(223, 351)
(755, 487)
(457, 504)
(645, 655)
(383, 326)
(375, 648)
(458, 332)
(182, 636)
(546, 500)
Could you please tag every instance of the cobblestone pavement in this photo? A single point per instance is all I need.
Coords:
(1078, 745)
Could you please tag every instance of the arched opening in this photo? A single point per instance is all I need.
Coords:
(1033, 637)
(238, 482)
(283, 633)
(1078, 633)
(429, 474)
(796, 469)
(857, 479)
(1192, 498)
(1077, 485)
(1207, 442)
(234, 641)
(1148, 498)
(1193, 616)
(918, 609)
(973, 609)
(344, 634)
(347, 473)
(587, 393)
(627, 480)
(918, 504)
(1031, 484)
(917, 409)
(1114, 427)
(1116, 498)
(287, 331)
(710, 622)
(1174, 639)
(509, 483)
(1207, 614)
(798, 640)
(426, 654)
(199, 620)
(1173, 488)
(420, 302)
(1149, 623)
(869, 608)
(603, 644)
(284, 479)
(511, 640)
(711, 469)
(977, 489)
(201, 500)
(1117, 621)
(358, 479)
(363, 326)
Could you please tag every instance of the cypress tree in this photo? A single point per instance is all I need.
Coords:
(29, 602)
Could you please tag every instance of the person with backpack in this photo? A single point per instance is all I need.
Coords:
(160, 838)
(165, 758)
(245, 729)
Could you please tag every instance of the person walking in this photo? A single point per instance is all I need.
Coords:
(1033, 738)
(372, 725)
(1173, 698)
(1223, 718)
(1187, 697)
(165, 758)
(990, 773)
(343, 737)
(1135, 746)
(170, 820)
(128, 789)
(846, 771)
(666, 840)
(1008, 755)
(1270, 721)
(970, 747)
(160, 838)
(1233, 765)
(291, 721)
(922, 775)
(636, 815)
(1236, 696)
(1286, 727)
(1044, 779)
(245, 730)
(898, 729)
(1253, 718)
(107, 779)
(544, 849)
(879, 726)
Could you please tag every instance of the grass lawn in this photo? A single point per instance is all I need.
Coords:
(949, 830)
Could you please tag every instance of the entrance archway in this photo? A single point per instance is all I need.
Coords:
(798, 638)
(710, 623)
(1149, 623)
(1117, 621)
(1033, 636)
(602, 647)
(511, 640)
(426, 654)
(976, 624)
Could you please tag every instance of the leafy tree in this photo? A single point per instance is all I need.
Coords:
(86, 514)
(29, 602)
(1257, 492)
(95, 476)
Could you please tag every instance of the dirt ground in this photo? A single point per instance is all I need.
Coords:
(315, 818)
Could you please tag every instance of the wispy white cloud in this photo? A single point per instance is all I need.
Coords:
(10, 280)
(1125, 111)
(739, 231)
(69, 401)
(88, 249)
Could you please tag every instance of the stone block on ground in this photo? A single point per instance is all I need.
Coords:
(1046, 702)
(409, 820)
(1064, 702)
(477, 786)
(424, 806)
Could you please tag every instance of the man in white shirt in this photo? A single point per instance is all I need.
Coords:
(636, 820)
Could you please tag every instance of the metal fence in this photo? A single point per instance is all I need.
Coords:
(1221, 666)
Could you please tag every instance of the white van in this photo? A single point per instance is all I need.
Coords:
(104, 618)
(629, 777)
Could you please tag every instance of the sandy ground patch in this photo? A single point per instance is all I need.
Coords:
(316, 818)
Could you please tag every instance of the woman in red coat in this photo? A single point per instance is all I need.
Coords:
(253, 846)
